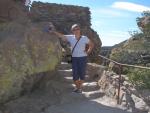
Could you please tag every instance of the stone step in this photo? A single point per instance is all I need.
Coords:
(93, 94)
(66, 72)
(64, 66)
(90, 86)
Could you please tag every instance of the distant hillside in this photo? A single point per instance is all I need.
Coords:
(136, 50)
(106, 50)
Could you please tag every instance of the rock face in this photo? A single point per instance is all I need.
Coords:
(63, 17)
(144, 22)
(10, 10)
(26, 51)
(94, 71)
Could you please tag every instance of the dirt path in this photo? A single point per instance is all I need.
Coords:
(57, 97)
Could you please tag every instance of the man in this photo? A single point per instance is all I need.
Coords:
(79, 55)
(27, 2)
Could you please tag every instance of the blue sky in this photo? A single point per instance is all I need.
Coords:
(111, 19)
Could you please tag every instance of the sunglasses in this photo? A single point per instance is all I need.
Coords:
(76, 29)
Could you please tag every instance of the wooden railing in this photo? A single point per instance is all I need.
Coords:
(120, 66)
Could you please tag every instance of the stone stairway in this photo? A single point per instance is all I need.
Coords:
(87, 102)
(57, 97)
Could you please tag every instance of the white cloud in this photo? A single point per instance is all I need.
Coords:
(108, 12)
(130, 6)
(110, 40)
(113, 37)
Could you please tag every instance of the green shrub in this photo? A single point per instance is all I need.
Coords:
(140, 78)
(125, 70)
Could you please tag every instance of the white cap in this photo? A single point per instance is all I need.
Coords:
(74, 26)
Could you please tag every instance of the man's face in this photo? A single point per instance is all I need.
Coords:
(76, 30)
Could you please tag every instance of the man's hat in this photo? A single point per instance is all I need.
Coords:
(74, 26)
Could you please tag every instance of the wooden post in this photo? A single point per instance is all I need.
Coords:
(119, 80)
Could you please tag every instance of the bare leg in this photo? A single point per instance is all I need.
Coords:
(80, 83)
(77, 84)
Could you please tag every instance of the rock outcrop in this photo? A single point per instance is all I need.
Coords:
(12, 10)
(94, 71)
(63, 17)
(26, 51)
(144, 22)
(130, 98)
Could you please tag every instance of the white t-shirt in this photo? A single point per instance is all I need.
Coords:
(79, 50)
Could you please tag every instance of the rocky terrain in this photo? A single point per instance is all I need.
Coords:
(27, 50)
(99, 94)
(33, 78)
(131, 98)
(56, 96)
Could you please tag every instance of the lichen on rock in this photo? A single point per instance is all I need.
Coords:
(24, 51)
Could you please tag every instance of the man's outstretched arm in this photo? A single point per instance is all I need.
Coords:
(60, 35)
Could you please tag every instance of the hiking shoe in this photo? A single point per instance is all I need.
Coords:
(77, 90)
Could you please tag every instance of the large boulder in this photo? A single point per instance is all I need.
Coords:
(94, 71)
(25, 50)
